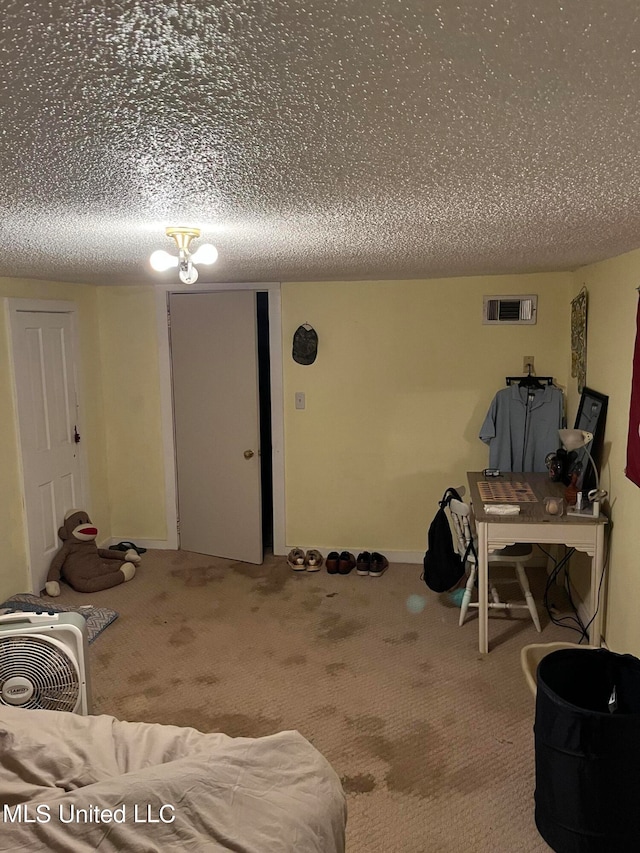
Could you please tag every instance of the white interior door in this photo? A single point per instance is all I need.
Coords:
(47, 406)
(216, 418)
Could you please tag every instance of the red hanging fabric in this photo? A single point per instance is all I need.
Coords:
(633, 440)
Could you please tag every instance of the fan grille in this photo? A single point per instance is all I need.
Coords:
(47, 665)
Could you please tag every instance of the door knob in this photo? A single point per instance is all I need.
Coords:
(248, 454)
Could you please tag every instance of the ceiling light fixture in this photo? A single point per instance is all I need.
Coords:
(188, 274)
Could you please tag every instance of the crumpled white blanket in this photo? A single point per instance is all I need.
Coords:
(71, 783)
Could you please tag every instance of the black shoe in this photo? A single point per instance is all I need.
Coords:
(333, 561)
(347, 562)
(127, 546)
(379, 565)
(363, 563)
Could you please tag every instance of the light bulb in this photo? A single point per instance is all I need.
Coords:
(161, 260)
(205, 254)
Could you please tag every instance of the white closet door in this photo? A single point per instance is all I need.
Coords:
(216, 417)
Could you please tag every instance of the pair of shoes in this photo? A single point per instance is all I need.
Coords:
(301, 562)
(340, 563)
(374, 564)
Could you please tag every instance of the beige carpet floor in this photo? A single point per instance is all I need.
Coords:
(433, 742)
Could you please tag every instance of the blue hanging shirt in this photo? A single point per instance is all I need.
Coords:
(521, 427)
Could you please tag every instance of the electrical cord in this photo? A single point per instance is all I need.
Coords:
(573, 621)
(582, 629)
(604, 569)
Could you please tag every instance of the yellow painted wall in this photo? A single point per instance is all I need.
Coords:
(131, 390)
(611, 329)
(394, 402)
(404, 377)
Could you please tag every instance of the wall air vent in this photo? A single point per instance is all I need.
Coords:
(521, 310)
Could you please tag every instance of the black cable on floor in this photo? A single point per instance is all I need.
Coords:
(562, 621)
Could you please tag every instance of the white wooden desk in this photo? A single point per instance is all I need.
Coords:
(584, 533)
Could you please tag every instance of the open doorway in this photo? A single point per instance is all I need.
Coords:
(264, 393)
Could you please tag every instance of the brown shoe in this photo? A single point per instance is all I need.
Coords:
(333, 562)
(347, 562)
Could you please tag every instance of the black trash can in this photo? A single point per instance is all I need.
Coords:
(587, 751)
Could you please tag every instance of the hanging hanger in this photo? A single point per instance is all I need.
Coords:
(534, 383)
(530, 381)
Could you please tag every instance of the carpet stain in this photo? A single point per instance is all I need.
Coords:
(366, 723)
(294, 660)
(417, 760)
(182, 636)
(325, 711)
(161, 596)
(207, 678)
(334, 626)
(271, 579)
(409, 637)
(198, 575)
(141, 677)
(361, 784)
(333, 668)
(311, 603)
(425, 666)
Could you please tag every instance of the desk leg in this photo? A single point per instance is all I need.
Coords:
(597, 586)
(483, 589)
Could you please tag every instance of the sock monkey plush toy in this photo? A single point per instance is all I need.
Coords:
(84, 566)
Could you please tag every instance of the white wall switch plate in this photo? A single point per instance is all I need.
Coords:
(300, 401)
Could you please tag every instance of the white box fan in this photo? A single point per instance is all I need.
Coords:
(43, 662)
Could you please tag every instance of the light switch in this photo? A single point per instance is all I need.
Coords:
(300, 401)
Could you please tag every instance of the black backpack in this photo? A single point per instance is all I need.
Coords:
(443, 566)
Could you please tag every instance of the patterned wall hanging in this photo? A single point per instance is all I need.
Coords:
(579, 338)
(633, 441)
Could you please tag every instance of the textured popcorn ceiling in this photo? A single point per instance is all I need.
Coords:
(318, 140)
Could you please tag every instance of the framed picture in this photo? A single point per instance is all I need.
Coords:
(591, 416)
